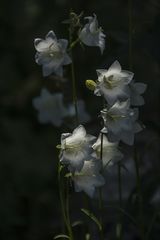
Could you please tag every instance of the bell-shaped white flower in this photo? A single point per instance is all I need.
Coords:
(110, 152)
(76, 148)
(120, 122)
(88, 178)
(136, 89)
(50, 107)
(51, 54)
(113, 83)
(91, 34)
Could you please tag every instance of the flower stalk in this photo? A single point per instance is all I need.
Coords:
(74, 91)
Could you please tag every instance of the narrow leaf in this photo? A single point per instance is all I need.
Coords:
(76, 223)
(61, 236)
(92, 217)
(88, 236)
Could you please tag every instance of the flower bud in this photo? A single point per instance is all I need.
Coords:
(91, 85)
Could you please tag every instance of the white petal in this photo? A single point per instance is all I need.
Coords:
(140, 87)
(59, 71)
(51, 35)
(67, 60)
(128, 137)
(42, 45)
(63, 43)
(115, 67)
(127, 75)
(137, 100)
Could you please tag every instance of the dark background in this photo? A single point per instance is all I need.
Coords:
(29, 201)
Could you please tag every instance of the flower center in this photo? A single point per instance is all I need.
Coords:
(55, 51)
(110, 82)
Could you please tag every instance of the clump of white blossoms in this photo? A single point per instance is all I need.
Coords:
(120, 122)
(110, 152)
(76, 148)
(50, 107)
(112, 84)
(136, 89)
(88, 178)
(51, 54)
(91, 34)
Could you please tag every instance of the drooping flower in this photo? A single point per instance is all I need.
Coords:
(136, 89)
(76, 148)
(91, 34)
(51, 54)
(110, 152)
(88, 178)
(113, 83)
(120, 122)
(83, 116)
(50, 107)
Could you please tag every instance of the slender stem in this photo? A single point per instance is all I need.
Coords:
(151, 225)
(67, 211)
(138, 181)
(139, 194)
(120, 184)
(61, 194)
(101, 207)
(62, 201)
(119, 225)
(73, 44)
(130, 20)
(74, 92)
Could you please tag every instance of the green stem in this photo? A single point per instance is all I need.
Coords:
(138, 181)
(73, 44)
(151, 225)
(74, 92)
(101, 207)
(120, 184)
(62, 201)
(67, 211)
(130, 34)
(139, 194)
(119, 225)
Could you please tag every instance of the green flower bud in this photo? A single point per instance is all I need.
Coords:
(91, 85)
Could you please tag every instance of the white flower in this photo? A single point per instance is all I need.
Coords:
(83, 116)
(89, 178)
(136, 89)
(50, 107)
(110, 152)
(120, 122)
(76, 148)
(91, 34)
(51, 53)
(113, 83)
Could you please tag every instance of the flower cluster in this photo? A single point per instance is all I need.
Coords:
(85, 156)
(120, 93)
(52, 53)
(51, 108)
(81, 153)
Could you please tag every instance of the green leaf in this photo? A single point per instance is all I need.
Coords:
(76, 223)
(58, 146)
(68, 175)
(118, 230)
(92, 217)
(61, 236)
(87, 236)
(60, 167)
